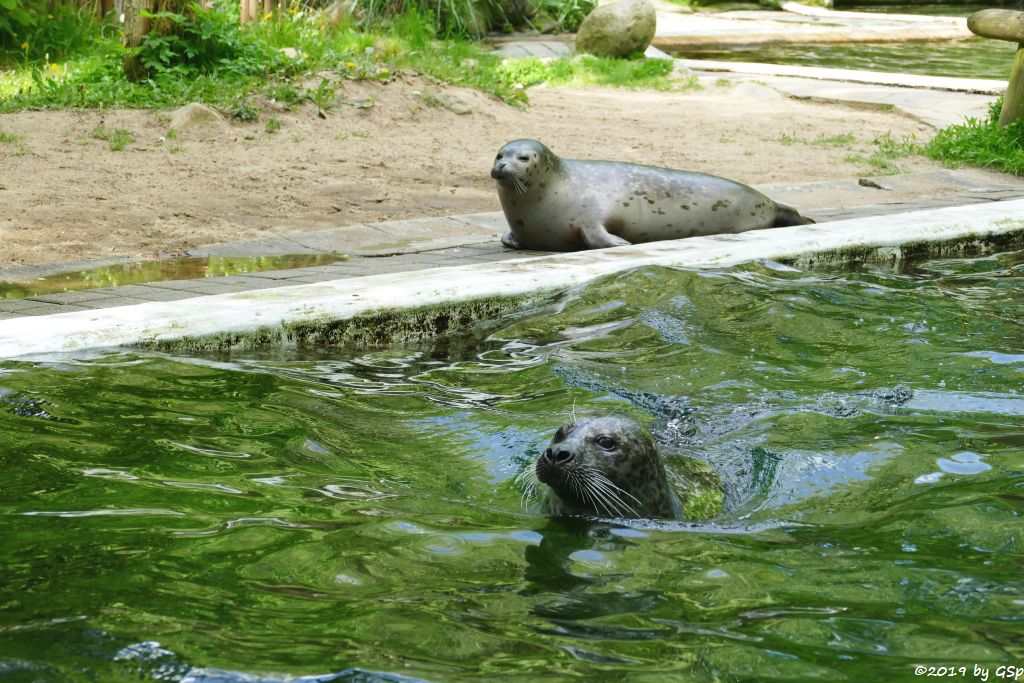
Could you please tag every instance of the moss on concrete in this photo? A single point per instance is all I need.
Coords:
(911, 252)
(380, 328)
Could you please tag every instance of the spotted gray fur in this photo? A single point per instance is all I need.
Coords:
(555, 204)
(608, 467)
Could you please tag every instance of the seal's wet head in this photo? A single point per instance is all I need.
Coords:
(605, 466)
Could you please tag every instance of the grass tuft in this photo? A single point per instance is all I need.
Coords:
(981, 142)
(116, 139)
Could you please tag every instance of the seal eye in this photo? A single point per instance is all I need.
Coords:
(524, 158)
(605, 443)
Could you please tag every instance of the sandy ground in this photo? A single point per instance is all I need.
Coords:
(65, 196)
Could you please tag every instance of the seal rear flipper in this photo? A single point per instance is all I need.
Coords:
(786, 216)
(598, 237)
(509, 240)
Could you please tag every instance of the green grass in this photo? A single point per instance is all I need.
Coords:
(8, 137)
(117, 139)
(887, 150)
(238, 69)
(654, 74)
(981, 142)
(843, 140)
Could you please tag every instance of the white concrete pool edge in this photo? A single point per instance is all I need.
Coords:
(251, 311)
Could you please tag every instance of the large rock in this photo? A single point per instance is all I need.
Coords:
(617, 29)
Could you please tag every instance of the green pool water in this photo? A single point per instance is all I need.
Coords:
(177, 268)
(352, 515)
(971, 58)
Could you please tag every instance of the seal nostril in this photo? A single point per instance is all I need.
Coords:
(562, 457)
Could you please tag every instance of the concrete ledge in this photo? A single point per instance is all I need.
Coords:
(291, 314)
(981, 86)
(811, 11)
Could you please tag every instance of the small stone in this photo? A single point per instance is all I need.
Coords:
(199, 120)
(453, 104)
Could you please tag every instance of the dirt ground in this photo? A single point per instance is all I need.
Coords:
(66, 196)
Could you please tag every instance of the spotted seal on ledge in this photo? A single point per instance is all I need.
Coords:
(607, 467)
(554, 204)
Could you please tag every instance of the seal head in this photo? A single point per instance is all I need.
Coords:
(606, 466)
(520, 162)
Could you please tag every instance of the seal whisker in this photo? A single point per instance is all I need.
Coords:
(586, 493)
(605, 480)
(613, 499)
(595, 496)
(527, 480)
(599, 481)
(602, 493)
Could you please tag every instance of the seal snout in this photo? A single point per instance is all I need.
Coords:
(557, 458)
(553, 464)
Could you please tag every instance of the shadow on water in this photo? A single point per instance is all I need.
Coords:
(183, 268)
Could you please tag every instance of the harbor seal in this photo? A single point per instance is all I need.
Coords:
(605, 466)
(554, 204)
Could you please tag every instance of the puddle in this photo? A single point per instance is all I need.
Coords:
(184, 268)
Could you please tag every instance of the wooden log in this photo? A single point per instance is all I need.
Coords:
(1000, 24)
(1013, 102)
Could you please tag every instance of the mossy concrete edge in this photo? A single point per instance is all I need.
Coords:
(413, 305)
(377, 328)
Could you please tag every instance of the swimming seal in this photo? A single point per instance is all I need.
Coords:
(608, 467)
(554, 204)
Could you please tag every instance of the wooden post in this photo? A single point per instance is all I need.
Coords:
(1013, 102)
(1005, 24)
(250, 10)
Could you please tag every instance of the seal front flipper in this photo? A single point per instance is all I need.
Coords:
(786, 216)
(509, 240)
(597, 237)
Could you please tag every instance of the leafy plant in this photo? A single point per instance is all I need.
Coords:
(34, 31)
(324, 97)
(566, 14)
(243, 110)
(204, 40)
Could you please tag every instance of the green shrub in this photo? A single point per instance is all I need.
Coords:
(206, 40)
(31, 31)
(567, 14)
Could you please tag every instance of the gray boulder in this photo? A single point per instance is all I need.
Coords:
(617, 29)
